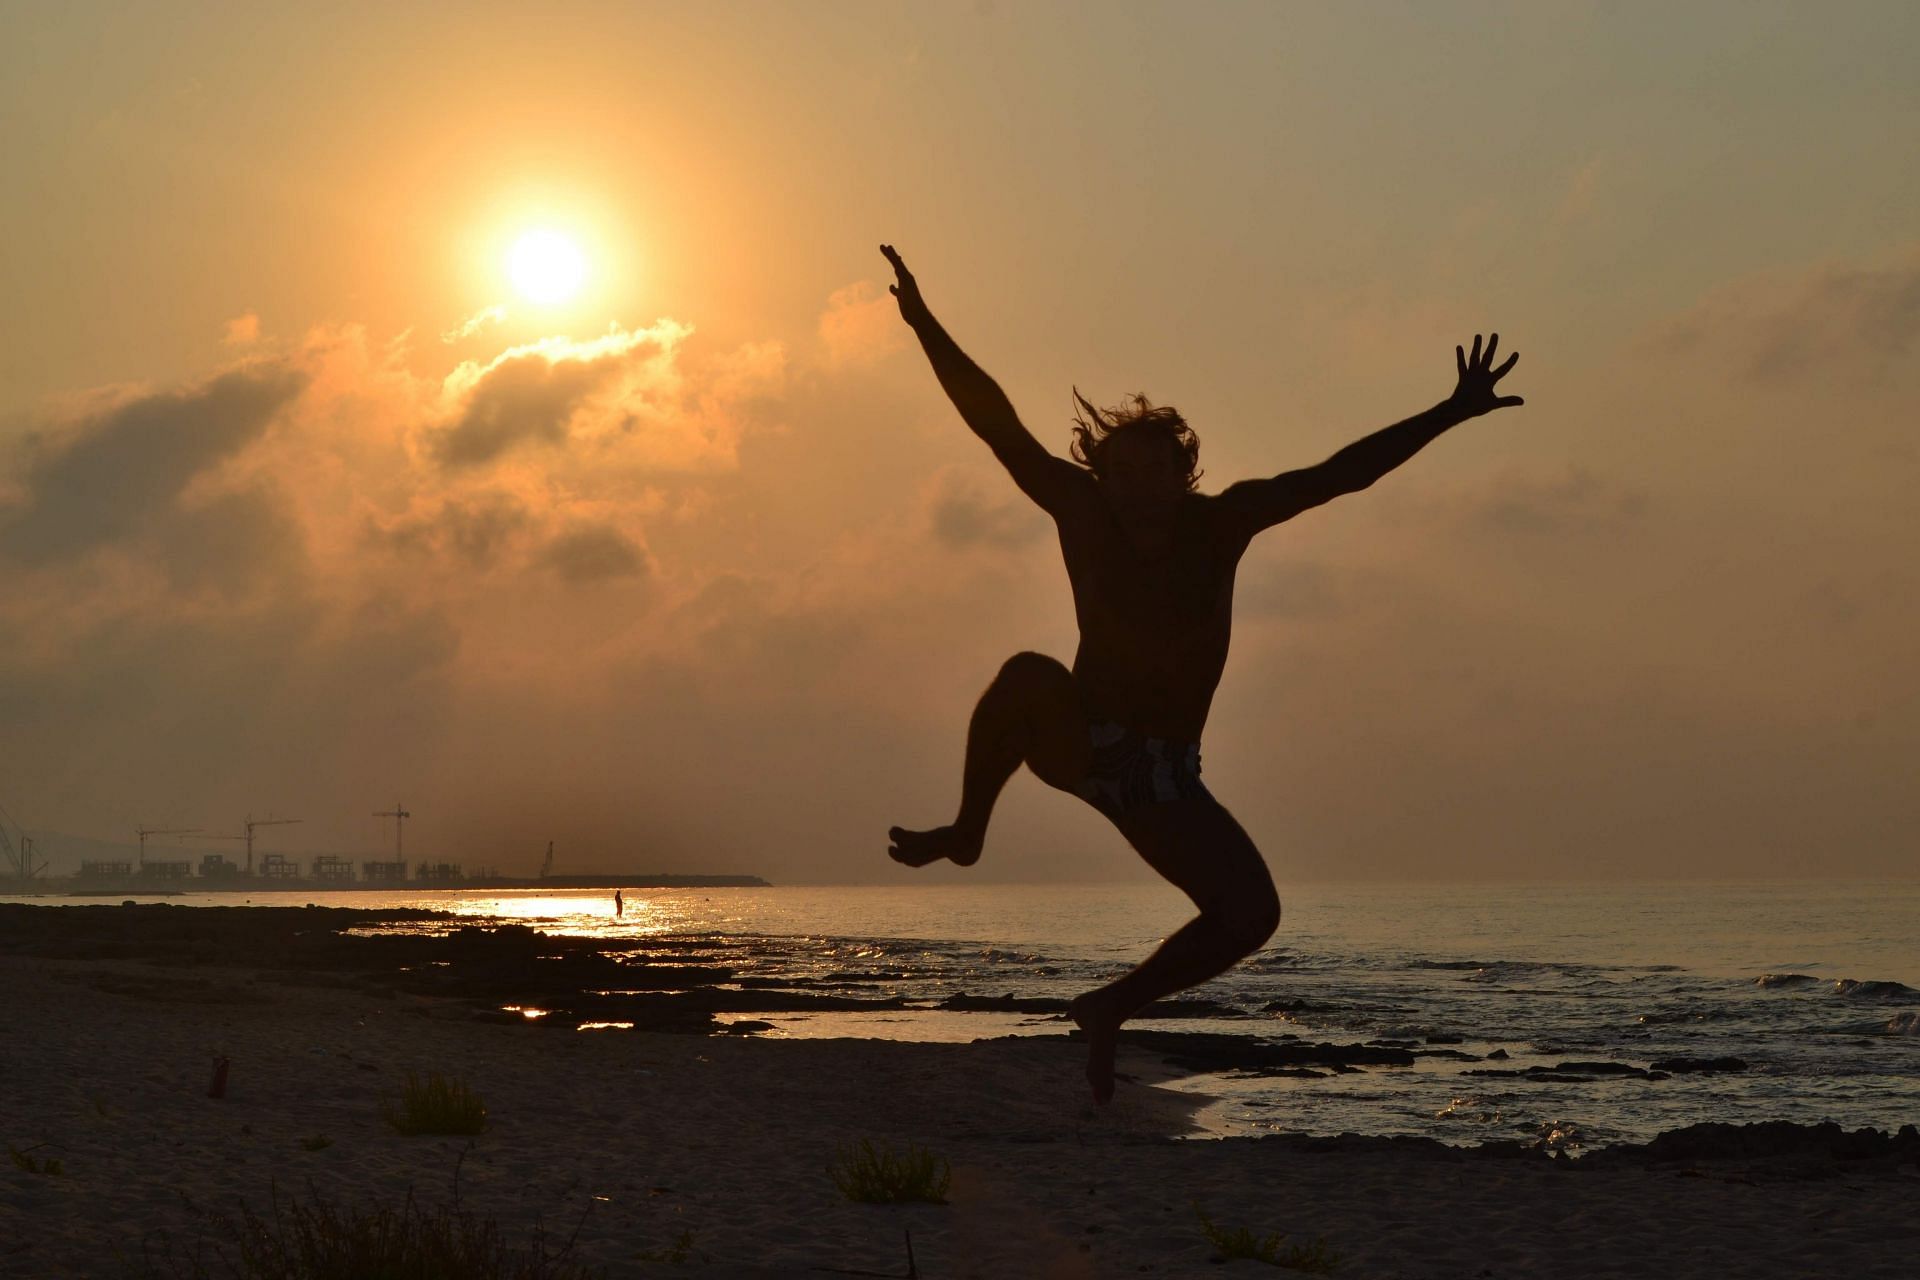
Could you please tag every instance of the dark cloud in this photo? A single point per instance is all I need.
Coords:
(392, 642)
(477, 530)
(114, 477)
(594, 553)
(1293, 589)
(203, 714)
(235, 543)
(1577, 499)
(962, 515)
(1866, 313)
(738, 624)
(1861, 320)
(522, 398)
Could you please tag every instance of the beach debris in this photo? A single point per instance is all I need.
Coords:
(217, 1087)
(911, 1273)
(1556, 1138)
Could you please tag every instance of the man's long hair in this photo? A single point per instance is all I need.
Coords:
(1093, 428)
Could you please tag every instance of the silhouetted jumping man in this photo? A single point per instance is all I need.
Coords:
(1151, 562)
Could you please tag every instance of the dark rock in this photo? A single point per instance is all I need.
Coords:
(1565, 1072)
(1206, 1051)
(1773, 1140)
(1300, 1006)
(1191, 1009)
(1677, 1066)
(1009, 1003)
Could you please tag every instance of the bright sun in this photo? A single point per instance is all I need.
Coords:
(546, 267)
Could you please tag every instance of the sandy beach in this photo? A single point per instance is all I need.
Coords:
(626, 1140)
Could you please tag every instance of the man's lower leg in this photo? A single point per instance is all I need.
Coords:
(1205, 947)
(996, 744)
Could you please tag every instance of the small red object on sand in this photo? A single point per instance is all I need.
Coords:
(218, 1089)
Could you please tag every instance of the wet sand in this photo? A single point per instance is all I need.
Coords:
(626, 1139)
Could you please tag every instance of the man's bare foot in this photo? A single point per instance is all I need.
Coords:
(1102, 1025)
(918, 848)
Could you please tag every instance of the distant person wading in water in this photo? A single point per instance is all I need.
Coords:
(1151, 563)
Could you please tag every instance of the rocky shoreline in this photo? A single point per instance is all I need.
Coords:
(515, 975)
(313, 1021)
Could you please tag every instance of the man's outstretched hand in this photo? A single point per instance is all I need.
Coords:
(1474, 394)
(913, 308)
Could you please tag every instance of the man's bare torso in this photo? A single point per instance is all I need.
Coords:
(1155, 608)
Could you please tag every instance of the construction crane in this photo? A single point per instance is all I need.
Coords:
(263, 822)
(399, 815)
(144, 832)
(20, 857)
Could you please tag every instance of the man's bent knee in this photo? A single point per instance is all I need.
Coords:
(1249, 920)
(1055, 742)
(1035, 669)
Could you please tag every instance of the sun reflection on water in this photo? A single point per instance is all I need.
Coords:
(525, 1011)
(643, 913)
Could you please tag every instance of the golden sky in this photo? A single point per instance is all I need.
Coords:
(304, 506)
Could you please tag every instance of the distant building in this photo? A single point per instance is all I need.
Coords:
(383, 872)
(167, 869)
(92, 869)
(326, 866)
(278, 866)
(438, 871)
(214, 866)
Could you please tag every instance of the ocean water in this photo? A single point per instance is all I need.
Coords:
(1816, 986)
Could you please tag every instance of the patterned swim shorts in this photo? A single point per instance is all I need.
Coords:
(1130, 770)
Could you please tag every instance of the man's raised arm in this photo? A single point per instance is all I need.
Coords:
(982, 404)
(1261, 504)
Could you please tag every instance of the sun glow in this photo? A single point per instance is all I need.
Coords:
(546, 267)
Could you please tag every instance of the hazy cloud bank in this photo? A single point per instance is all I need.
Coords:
(671, 604)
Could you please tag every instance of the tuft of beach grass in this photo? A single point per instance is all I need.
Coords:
(316, 1239)
(676, 1253)
(436, 1104)
(1312, 1256)
(868, 1174)
(46, 1166)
